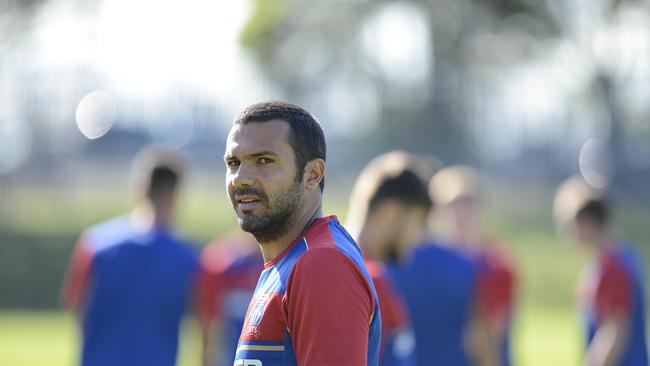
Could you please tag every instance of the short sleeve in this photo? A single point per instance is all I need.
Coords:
(328, 306)
(495, 288)
(613, 290)
(207, 295)
(393, 312)
(76, 279)
(209, 288)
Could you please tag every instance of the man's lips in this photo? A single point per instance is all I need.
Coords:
(247, 202)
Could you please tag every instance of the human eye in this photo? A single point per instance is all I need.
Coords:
(232, 163)
(264, 161)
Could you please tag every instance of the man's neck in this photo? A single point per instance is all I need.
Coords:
(469, 236)
(605, 241)
(144, 217)
(271, 249)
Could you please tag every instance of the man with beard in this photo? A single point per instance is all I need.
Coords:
(315, 303)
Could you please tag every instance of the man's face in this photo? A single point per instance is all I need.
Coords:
(261, 178)
(463, 213)
(585, 231)
(400, 226)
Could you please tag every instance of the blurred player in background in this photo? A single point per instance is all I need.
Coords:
(315, 303)
(131, 278)
(389, 211)
(233, 264)
(611, 290)
(457, 192)
(396, 209)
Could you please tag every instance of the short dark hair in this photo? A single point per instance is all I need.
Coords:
(162, 181)
(405, 187)
(157, 171)
(596, 210)
(306, 136)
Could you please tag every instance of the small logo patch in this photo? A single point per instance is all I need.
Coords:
(256, 315)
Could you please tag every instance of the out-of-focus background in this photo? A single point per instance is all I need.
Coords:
(529, 91)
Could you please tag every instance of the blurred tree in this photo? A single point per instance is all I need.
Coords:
(452, 51)
(304, 45)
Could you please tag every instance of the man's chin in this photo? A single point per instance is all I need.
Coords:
(250, 224)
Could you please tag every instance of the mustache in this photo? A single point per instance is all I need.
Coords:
(249, 191)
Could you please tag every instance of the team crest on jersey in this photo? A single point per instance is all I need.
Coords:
(256, 315)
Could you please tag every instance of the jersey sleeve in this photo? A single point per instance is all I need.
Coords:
(495, 288)
(77, 276)
(613, 291)
(210, 290)
(393, 313)
(328, 306)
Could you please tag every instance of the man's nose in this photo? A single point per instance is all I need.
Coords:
(243, 177)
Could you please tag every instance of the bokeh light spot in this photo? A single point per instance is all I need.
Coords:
(96, 114)
(596, 163)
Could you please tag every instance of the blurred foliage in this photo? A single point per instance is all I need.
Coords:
(470, 47)
(265, 17)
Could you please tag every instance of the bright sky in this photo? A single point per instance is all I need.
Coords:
(146, 47)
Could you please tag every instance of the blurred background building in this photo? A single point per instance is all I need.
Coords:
(528, 91)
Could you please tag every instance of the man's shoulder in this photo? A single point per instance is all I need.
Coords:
(106, 234)
(328, 232)
(328, 255)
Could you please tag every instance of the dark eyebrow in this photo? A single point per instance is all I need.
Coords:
(254, 155)
(262, 153)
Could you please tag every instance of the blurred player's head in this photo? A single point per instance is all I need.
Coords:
(275, 157)
(156, 177)
(581, 211)
(456, 191)
(394, 203)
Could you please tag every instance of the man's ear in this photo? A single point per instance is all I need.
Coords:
(314, 173)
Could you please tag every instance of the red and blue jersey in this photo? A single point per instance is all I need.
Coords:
(233, 264)
(131, 288)
(613, 284)
(495, 291)
(438, 286)
(397, 339)
(314, 304)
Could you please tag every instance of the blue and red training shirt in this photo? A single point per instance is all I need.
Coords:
(233, 264)
(314, 304)
(397, 339)
(613, 284)
(131, 288)
(439, 287)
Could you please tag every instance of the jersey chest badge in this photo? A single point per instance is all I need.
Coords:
(257, 313)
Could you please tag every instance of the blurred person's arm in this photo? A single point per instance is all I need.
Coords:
(609, 341)
(483, 338)
(208, 314)
(490, 315)
(394, 319)
(73, 290)
(613, 302)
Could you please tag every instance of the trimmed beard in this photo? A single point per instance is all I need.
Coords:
(280, 218)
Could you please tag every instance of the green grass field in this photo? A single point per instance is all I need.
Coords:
(50, 338)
